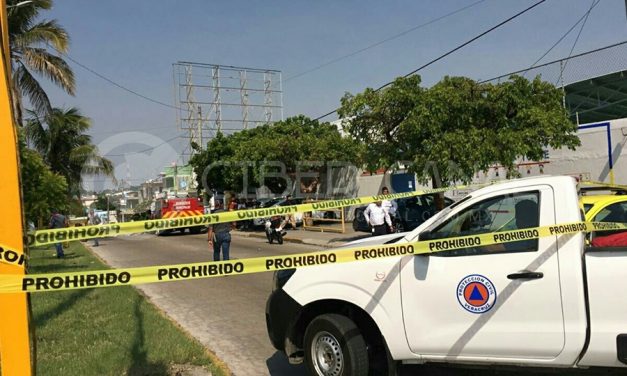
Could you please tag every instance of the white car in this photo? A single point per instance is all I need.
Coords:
(548, 302)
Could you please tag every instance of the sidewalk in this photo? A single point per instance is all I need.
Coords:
(323, 239)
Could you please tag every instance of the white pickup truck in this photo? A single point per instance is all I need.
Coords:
(548, 302)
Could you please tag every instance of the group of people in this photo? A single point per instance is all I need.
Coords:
(379, 215)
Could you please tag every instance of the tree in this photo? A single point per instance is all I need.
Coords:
(374, 118)
(60, 138)
(458, 127)
(213, 165)
(42, 189)
(103, 204)
(30, 42)
(289, 142)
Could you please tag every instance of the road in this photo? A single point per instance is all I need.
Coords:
(227, 315)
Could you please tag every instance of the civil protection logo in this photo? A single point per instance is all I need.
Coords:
(476, 293)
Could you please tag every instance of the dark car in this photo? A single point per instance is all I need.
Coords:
(411, 213)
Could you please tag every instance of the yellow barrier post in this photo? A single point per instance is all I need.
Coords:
(15, 356)
(309, 219)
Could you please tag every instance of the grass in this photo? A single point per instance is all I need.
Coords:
(104, 331)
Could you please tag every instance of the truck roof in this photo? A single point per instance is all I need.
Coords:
(516, 183)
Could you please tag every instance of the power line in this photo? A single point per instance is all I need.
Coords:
(554, 61)
(131, 130)
(453, 50)
(144, 150)
(592, 5)
(333, 61)
(120, 86)
(585, 16)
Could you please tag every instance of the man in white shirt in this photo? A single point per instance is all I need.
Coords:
(378, 219)
(389, 205)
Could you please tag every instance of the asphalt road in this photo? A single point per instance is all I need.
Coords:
(227, 314)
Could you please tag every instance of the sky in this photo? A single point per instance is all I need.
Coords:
(135, 43)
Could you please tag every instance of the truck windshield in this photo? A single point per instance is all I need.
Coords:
(438, 218)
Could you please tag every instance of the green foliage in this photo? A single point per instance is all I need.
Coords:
(291, 141)
(107, 331)
(42, 189)
(457, 127)
(34, 44)
(101, 203)
(60, 138)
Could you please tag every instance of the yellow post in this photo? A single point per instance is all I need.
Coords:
(15, 356)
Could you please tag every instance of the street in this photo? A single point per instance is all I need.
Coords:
(227, 315)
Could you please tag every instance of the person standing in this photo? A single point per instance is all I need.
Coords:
(289, 218)
(94, 220)
(389, 205)
(378, 219)
(232, 204)
(219, 236)
(57, 220)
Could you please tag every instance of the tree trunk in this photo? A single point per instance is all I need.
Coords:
(436, 182)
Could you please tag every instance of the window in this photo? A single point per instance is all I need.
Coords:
(502, 213)
(616, 212)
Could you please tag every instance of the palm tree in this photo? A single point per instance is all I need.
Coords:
(59, 136)
(30, 41)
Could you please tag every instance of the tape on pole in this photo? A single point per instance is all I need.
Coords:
(11, 256)
(181, 272)
(43, 237)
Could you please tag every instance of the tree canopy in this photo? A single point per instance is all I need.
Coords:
(457, 127)
(42, 189)
(31, 41)
(60, 138)
(291, 142)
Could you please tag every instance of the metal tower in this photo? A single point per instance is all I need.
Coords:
(221, 98)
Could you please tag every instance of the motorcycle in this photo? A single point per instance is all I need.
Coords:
(274, 230)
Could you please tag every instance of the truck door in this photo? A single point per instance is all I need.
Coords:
(499, 301)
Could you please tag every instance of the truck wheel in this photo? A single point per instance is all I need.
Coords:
(334, 346)
(194, 230)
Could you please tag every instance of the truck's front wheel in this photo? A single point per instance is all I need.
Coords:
(334, 346)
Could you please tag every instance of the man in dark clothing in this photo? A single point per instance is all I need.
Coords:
(57, 220)
(219, 236)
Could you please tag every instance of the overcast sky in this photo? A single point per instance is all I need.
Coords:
(135, 43)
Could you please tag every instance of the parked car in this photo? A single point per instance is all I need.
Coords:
(544, 302)
(598, 202)
(412, 211)
(605, 204)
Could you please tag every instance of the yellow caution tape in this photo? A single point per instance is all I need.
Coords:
(11, 257)
(180, 272)
(43, 237)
